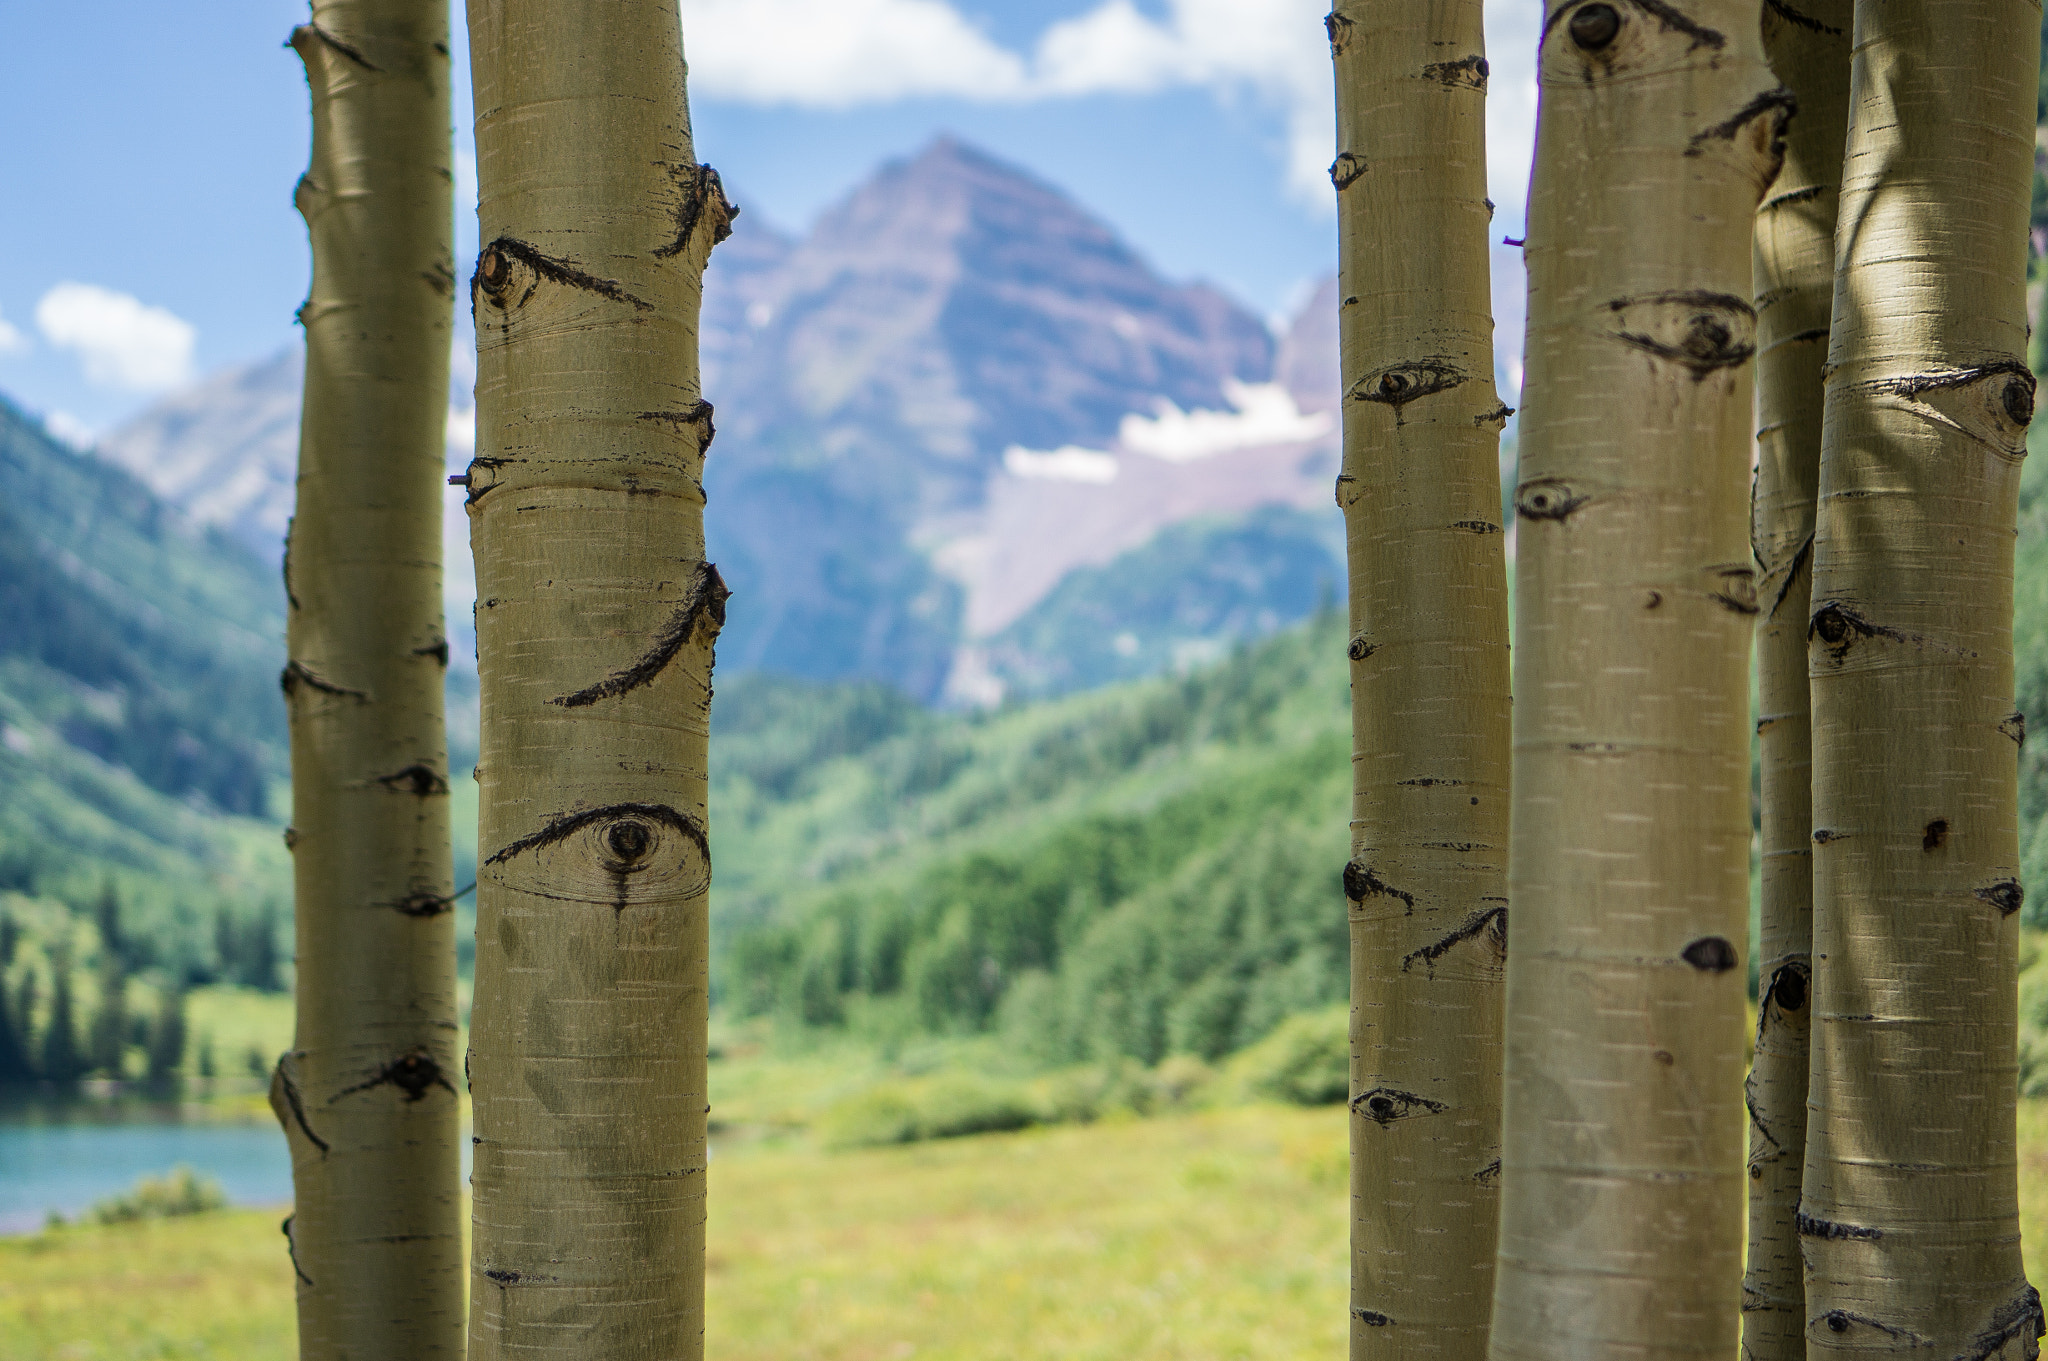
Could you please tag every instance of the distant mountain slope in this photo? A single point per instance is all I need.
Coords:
(1148, 869)
(141, 728)
(956, 388)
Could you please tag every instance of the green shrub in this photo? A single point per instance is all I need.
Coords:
(943, 1106)
(1306, 1061)
(179, 1192)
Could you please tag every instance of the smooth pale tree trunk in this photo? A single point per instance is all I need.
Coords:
(1808, 49)
(1420, 490)
(367, 1096)
(596, 619)
(1621, 1218)
(1909, 1217)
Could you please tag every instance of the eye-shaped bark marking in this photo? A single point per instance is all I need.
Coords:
(509, 272)
(618, 853)
(2015, 727)
(422, 903)
(1360, 649)
(702, 608)
(1991, 403)
(2006, 895)
(1469, 73)
(1839, 627)
(1399, 384)
(1547, 498)
(1488, 927)
(700, 189)
(1384, 1105)
(1786, 991)
(1710, 954)
(1372, 1318)
(1697, 330)
(1734, 588)
(1839, 1321)
(412, 1072)
(1345, 170)
(414, 779)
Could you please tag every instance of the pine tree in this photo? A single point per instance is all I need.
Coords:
(1621, 1234)
(108, 1045)
(595, 628)
(1420, 490)
(367, 1095)
(167, 1035)
(61, 1061)
(1909, 1208)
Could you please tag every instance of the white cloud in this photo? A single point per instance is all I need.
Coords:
(1265, 414)
(1069, 463)
(12, 341)
(838, 53)
(122, 341)
(1274, 48)
(66, 428)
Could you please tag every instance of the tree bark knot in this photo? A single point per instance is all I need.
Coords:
(508, 266)
(313, 33)
(1361, 882)
(702, 199)
(696, 417)
(1384, 1105)
(1396, 385)
(1698, 330)
(702, 613)
(297, 674)
(1468, 73)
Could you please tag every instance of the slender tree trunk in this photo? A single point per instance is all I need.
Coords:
(1420, 490)
(596, 620)
(1621, 1230)
(367, 1096)
(1909, 1216)
(1795, 286)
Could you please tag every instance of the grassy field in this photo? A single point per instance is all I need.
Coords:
(1215, 1235)
(1218, 1235)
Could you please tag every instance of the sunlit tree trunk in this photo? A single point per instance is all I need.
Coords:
(1909, 1215)
(1621, 1219)
(1420, 490)
(1808, 48)
(596, 619)
(367, 1096)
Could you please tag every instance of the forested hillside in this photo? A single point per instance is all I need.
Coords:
(143, 738)
(1141, 871)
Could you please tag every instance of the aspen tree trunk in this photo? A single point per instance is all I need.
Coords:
(596, 619)
(1621, 1229)
(367, 1096)
(1909, 1215)
(1808, 48)
(1420, 490)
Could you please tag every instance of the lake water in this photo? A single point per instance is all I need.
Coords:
(65, 1156)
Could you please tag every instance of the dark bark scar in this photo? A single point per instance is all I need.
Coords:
(706, 601)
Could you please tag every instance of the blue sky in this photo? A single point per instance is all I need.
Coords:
(152, 151)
